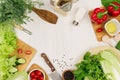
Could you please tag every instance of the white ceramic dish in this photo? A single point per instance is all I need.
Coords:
(116, 22)
(29, 75)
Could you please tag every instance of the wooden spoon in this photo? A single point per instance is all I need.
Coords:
(46, 15)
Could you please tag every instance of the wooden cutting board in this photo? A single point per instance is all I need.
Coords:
(96, 26)
(35, 66)
(28, 58)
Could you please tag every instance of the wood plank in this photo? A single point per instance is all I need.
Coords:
(28, 58)
(96, 26)
(35, 66)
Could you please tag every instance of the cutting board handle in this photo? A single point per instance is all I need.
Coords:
(48, 61)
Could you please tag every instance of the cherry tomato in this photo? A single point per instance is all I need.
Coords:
(28, 52)
(38, 73)
(32, 74)
(20, 50)
(33, 79)
(99, 30)
(41, 78)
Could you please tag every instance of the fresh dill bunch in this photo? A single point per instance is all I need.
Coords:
(15, 11)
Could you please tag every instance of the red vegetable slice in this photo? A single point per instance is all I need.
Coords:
(20, 50)
(28, 52)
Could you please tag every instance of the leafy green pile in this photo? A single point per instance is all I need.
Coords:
(8, 43)
(102, 66)
(8, 39)
(15, 11)
(105, 3)
(90, 68)
(5, 65)
(12, 12)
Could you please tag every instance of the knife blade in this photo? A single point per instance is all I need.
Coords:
(54, 74)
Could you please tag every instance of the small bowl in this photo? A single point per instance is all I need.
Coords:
(36, 74)
(68, 74)
(115, 25)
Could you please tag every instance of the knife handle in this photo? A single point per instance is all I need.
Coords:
(48, 61)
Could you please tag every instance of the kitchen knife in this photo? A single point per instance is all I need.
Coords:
(23, 29)
(54, 75)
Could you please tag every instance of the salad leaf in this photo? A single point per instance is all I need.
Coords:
(110, 63)
(8, 41)
(19, 76)
(105, 3)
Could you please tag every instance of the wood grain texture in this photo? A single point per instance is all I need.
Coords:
(28, 58)
(96, 26)
(35, 66)
(46, 15)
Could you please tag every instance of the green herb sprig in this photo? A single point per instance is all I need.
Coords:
(15, 11)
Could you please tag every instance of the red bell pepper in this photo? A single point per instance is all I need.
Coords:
(114, 9)
(99, 15)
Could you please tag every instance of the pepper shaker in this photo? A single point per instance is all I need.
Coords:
(79, 15)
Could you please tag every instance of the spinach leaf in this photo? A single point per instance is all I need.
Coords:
(105, 3)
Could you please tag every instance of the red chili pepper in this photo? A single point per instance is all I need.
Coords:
(114, 9)
(99, 15)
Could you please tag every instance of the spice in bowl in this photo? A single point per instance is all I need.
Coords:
(68, 75)
(36, 74)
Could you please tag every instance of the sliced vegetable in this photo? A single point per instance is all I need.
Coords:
(28, 52)
(20, 51)
(13, 70)
(20, 61)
